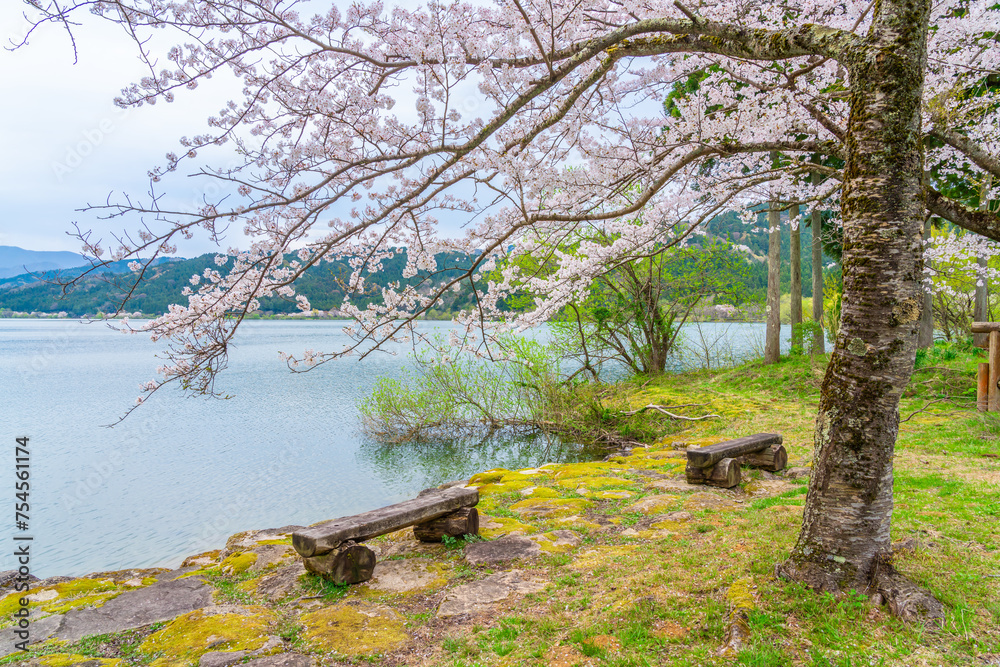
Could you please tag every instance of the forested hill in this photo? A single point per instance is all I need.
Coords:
(93, 294)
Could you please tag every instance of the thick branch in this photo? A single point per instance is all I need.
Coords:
(984, 223)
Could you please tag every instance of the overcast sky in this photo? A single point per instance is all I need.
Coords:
(66, 145)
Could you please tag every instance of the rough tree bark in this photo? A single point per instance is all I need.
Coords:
(925, 337)
(772, 333)
(845, 541)
(981, 312)
(818, 346)
(795, 262)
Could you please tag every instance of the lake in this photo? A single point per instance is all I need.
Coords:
(180, 474)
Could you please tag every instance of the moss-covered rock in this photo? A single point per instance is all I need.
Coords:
(550, 507)
(357, 629)
(503, 487)
(238, 562)
(186, 638)
(60, 598)
(492, 527)
(557, 541)
(539, 492)
(76, 660)
(594, 483)
(488, 476)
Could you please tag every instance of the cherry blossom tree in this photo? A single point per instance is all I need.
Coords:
(531, 120)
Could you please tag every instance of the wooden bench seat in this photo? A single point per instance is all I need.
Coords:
(331, 550)
(719, 464)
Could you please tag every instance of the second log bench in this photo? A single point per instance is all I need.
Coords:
(719, 464)
(331, 549)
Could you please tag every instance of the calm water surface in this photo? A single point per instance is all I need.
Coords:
(180, 475)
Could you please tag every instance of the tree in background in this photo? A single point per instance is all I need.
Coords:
(632, 315)
(360, 128)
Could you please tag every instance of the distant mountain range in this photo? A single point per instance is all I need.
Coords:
(16, 261)
(101, 291)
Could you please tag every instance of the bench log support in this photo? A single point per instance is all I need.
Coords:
(719, 464)
(331, 549)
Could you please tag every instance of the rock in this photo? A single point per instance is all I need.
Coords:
(653, 504)
(547, 508)
(403, 576)
(284, 582)
(162, 601)
(557, 541)
(281, 660)
(797, 473)
(268, 555)
(8, 578)
(474, 597)
(228, 628)
(505, 549)
(704, 500)
(672, 486)
(354, 629)
(221, 658)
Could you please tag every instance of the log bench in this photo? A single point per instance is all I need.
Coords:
(719, 464)
(331, 549)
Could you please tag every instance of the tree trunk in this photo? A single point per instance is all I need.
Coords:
(845, 541)
(818, 346)
(925, 337)
(772, 334)
(981, 311)
(795, 260)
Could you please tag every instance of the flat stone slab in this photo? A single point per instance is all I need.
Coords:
(132, 609)
(161, 601)
(284, 581)
(475, 597)
(495, 552)
(221, 658)
(282, 660)
(657, 504)
(402, 576)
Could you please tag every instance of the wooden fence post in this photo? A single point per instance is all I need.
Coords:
(993, 396)
(983, 387)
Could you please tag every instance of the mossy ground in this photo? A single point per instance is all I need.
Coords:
(644, 588)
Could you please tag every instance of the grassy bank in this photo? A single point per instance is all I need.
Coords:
(634, 568)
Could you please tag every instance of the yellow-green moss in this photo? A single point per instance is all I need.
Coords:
(547, 541)
(539, 492)
(506, 526)
(284, 540)
(503, 487)
(353, 630)
(591, 469)
(238, 562)
(206, 556)
(575, 523)
(488, 476)
(606, 494)
(739, 596)
(70, 595)
(70, 659)
(550, 507)
(594, 483)
(605, 555)
(187, 637)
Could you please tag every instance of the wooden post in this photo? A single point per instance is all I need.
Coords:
(982, 387)
(461, 522)
(348, 563)
(725, 473)
(993, 394)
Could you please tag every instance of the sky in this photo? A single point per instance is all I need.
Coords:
(66, 145)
